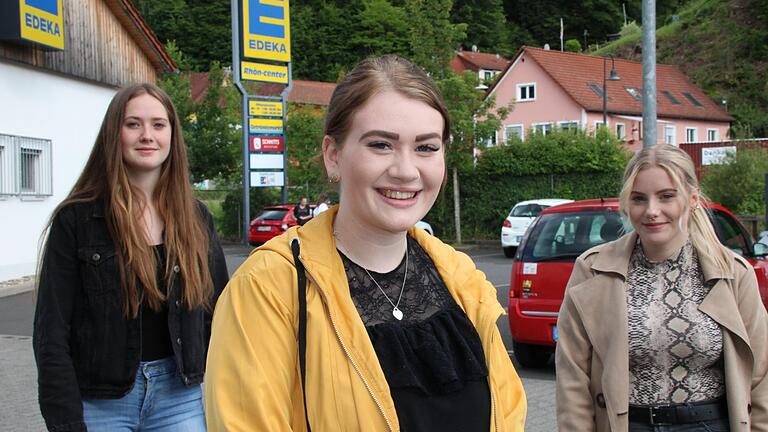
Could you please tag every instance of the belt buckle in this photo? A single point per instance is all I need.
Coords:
(654, 412)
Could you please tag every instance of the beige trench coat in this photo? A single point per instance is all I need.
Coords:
(592, 350)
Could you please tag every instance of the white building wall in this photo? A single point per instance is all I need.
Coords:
(38, 104)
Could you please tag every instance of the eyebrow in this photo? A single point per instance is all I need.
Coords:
(658, 192)
(153, 118)
(394, 136)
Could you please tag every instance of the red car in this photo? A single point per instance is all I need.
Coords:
(271, 222)
(545, 259)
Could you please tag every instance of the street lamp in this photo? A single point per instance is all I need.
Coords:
(614, 77)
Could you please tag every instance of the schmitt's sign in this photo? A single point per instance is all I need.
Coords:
(266, 30)
(33, 21)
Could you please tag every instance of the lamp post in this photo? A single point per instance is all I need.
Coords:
(614, 77)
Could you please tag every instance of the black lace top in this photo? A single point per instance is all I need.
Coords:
(433, 359)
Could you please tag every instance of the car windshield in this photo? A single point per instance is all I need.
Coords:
(527, 210)
(272, 215)
(565, 236)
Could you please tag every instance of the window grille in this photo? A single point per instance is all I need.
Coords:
(25, 166)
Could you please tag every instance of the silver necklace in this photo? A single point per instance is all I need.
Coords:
(396, 312)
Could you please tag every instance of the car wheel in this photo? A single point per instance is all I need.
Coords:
(531, 356)
(509, 252)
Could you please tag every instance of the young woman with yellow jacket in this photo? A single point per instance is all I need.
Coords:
(400, 328)
(662, 329)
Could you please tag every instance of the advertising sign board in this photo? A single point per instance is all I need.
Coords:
(259, 143)
(266, 30)
(263, 72)
(266, 161)
(34, 21)
(265, 126)
(265, 108)
(267, 178)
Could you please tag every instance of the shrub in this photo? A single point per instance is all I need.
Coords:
(739, 183)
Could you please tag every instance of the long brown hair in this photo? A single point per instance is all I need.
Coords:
(104, 180)
(680, 169)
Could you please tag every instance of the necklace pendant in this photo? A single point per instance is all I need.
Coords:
(397, 313)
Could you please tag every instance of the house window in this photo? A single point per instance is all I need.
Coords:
(669, 135)
(25, 166)
(621, 131)
(635, 93)
(513, 132)
(670, 97)
(598, 125)
(596, 88)
(712, 135)
(526, 92)
(491, 141)
(692, 100)
(487, 75)
(690, 134)
(571, 125)
(542, 128)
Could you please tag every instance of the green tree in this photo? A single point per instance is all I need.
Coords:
(487, 27)
(380, 28)
(213, 140)
(321, 47)
(474, 118)
(573, 45)
(433, 37)
(739, 183)
(304, 135)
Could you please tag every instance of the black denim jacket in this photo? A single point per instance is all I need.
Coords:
(84, 347)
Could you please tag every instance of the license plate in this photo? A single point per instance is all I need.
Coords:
(519, 239)
(264, 228)
(554, 333)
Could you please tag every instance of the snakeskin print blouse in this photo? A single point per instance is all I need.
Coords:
(675, 350)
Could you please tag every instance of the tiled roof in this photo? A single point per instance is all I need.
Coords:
(304, 92)
(475, 61)
(575, 72)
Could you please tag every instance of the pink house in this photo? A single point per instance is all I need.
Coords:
(553, 89)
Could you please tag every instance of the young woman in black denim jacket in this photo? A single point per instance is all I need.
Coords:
(129, 276)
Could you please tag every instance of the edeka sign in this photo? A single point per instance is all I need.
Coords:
(42, 22)
(266, 30)
(263, 72)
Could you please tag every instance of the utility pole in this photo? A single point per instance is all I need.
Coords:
(649, 73)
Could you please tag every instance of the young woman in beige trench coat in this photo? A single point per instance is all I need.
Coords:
(612, 353)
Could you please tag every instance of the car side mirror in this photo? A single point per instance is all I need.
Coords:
(760, 249)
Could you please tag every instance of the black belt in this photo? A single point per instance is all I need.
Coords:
(679, 413)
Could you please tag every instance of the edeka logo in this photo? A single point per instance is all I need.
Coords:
(42, 24)
(50, 6)
(266, 30)
(259, 20)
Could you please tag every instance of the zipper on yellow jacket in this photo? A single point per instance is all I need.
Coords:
(349, 356)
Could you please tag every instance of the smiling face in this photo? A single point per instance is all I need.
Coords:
(659, 212)
(391, 163)
(145, 135)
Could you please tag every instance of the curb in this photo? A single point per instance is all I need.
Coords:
(11, 289)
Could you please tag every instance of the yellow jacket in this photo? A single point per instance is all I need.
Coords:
(252, 380)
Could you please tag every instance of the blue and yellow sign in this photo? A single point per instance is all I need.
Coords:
(261, 126)
(42, 21)
(265, 108)
(266, 30)
(263, 72)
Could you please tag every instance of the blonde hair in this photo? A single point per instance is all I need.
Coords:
(679, 166)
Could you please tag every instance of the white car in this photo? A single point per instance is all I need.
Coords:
(520, 218)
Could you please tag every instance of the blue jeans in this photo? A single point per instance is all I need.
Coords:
(717, 425)
(159, 401)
